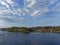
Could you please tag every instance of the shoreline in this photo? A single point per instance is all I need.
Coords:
(48, 29)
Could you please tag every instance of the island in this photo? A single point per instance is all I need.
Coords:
(45, 29)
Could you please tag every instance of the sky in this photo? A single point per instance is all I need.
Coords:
(29, 13)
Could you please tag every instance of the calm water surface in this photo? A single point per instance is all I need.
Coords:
(8, 38)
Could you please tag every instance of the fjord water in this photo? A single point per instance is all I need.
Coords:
(13, 38)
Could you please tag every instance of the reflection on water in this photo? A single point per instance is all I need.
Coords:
(8, 38)
(3, 36)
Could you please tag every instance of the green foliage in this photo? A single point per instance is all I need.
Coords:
(33, 29)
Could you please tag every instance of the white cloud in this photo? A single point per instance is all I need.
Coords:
(8, 6)
(4, 3)
(10, 1)
(43, 6)
(19, 19)
(52, 2)
(35, 13)
(2, 23)
(57, 7)
(31, 7)
(5, 24)
(30, 3)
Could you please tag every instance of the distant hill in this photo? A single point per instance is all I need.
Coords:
(45, 29)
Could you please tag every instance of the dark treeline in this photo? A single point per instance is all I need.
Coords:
(34, 29)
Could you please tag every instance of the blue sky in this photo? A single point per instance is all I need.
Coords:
(29, 13)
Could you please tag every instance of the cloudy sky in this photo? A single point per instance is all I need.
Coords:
(29, 13)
